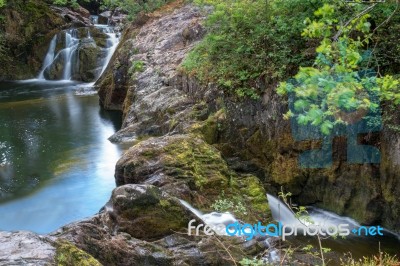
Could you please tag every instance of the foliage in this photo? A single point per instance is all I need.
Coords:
(338, 83)
(234, 205)
(304, 218)
(381, 259)
(137, 66)
(133, 7)
(2, 3)
(72, 3)
(252, 262)
(251, 43)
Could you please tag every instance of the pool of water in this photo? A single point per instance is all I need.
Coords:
(56, 164)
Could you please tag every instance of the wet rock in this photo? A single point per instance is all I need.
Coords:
(104, 17)
(89, 55)
(56, 69)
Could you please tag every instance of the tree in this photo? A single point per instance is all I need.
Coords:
(340, 81)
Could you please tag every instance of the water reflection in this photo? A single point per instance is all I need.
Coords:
(56, 165)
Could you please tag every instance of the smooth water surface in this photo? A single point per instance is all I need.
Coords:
(56, 164)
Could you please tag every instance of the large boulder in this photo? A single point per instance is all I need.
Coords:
(145, 213)
(26, 248)
(189, 168)
(89, 67)
(30, 249)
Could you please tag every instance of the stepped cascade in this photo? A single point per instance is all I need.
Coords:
(80, 54)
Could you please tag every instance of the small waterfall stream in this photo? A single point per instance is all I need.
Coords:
(71, 45)
(49, 57)
(66, 59)
(359, 246)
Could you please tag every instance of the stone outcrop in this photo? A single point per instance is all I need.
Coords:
(137, 80)
(77, 17)
(27, 30)
(25, 248)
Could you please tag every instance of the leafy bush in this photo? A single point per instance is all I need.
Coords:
(381, 259)
(338, 83)
(72, 3)
(134, 7)
(252, 43)
(234, 205)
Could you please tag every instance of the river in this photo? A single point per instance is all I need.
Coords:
(56, 164)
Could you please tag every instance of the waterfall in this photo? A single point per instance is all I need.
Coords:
(71, 45)
(280, 212)
(212, 219)
(94, 19)
(112, 41)
(49, 57)
(65, 62)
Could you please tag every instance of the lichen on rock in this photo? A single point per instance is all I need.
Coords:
(68, 254)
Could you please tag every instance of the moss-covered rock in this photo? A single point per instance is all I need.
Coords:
(189, 168)
(145, 213)
(27, 29)
(68, 254)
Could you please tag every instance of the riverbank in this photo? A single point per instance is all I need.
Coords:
(191, 141)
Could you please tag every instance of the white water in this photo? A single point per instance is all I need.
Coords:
(324, 219)
(49, 58)
(68, 53)
(71, 44)
(212, 219)
(94, 19)
(112, 41)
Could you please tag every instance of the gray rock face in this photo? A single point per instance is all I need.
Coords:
(26, 248)
(77, 17)
(144, 93)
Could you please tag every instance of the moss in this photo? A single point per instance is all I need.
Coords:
(28, 27)
(198, 160)
(211, 127)
(153, 221)
(68, 254)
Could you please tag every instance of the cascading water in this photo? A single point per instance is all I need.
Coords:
(49, 57)
(65, 63)
(94, 19)
(112, 42)
(71, 44)
(281, 212)
(212, 219)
